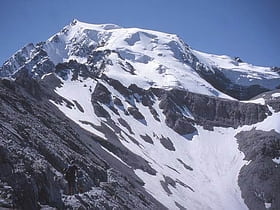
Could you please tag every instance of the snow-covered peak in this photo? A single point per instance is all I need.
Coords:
(146, 58)
(241, 73)
(79, 36)
(77, 23)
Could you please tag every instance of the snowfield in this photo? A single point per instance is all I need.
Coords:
(213, 157)
(203, 167)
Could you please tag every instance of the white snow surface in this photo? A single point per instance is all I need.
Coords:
(79, 91)
(275, 95)
(213, 155)
(276, 160)
(256, 101)
(240, 73)
(267, 205)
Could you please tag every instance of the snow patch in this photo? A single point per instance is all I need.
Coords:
(256, 101)
(276, 160)
(213, 156)
(79, 91)
(267, 205)
(275, 95)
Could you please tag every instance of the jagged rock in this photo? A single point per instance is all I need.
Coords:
(259, 179)
(114, 110)
(7, 196)
(117, 102)
(62, 69)
(225, 113)
(154, 113)
(238, 59)
(125, 124)
(167, 143)
(78, 106)
(207, 111)
(117, 85)
(100, 111)
(101, 94)
(183, 126)
(147, 138)
(185, 165)
(276, 69)
(270, 99)
(29, 84)
(135, 113)
(168, 181)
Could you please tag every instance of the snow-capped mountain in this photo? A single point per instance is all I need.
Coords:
(159, 124)
(143, 57)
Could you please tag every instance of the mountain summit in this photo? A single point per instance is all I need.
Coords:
(145, 58)
(150, 122)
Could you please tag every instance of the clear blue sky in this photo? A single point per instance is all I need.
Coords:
(249, 29)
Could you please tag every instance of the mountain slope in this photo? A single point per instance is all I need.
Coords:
(152, 123)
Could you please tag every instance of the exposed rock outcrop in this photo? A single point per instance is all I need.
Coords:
(259, 180)
(208, 111)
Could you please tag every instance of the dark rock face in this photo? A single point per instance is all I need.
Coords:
(37, 145)
(31, 86)
(224, 113)
(203, 110)
(100, 111)
(63, 69)
(135, 113)
(209, 111)
(175, 119)
(147, 138)
(183, 126)
(276, 69)
(185, 165)
(259, 180)
(238, 59)
(101, 94)
(168, 181)
(154, 113)
(126, 125)
(270, 99)
(117, 190)
(118, 102)
(167, 143)
(117, 86)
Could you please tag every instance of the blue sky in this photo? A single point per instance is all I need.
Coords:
(249, 29)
